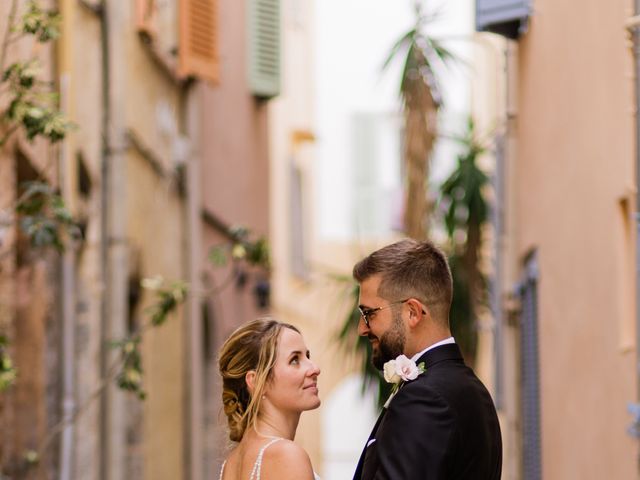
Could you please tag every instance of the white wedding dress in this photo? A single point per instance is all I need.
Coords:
(255, 471)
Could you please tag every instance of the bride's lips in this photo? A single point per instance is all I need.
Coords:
(313, 387)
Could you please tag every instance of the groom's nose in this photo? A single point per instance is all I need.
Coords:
(363, 330)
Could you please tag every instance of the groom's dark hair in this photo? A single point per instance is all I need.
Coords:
(411, 269)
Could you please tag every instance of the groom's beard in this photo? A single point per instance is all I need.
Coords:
(391, 343)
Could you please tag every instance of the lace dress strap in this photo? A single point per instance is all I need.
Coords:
(222, 470)
(255, 473)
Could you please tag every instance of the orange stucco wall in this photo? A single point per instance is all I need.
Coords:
(571, 182)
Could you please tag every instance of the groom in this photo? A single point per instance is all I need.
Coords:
(442, 425)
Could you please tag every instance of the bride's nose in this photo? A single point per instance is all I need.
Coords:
(314, 370)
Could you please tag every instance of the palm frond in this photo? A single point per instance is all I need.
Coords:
(442, 53)
(403, 42)
(354, 344)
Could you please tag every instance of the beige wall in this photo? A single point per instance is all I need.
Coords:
(154, 232)
(149, 230)
(570, 184)
(234, 152)
(235, 188)
(154, 226)
(234, 137)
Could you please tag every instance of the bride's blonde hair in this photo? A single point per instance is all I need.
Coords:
(253, 346)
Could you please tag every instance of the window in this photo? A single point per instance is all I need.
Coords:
(376, 156)
(264, 47)
(195, 33)
(530, 372)
(298, 258)
(198, 42)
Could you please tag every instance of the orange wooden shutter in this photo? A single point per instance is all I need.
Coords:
(146, 16)
(198, 48)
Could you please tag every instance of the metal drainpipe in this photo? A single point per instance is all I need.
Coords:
(114, 254)
(113, 247)
(496, 287)
(633, 26)
(68, 311)
(501, 157)
(636, 45)
(68, 279)
(192, 96)
(104, 234)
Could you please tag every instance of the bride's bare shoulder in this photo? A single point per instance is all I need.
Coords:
(286, 460)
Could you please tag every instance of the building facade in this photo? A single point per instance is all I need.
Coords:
(169, 152)
(562, 95)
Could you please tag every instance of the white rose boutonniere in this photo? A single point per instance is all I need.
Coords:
(400, 370)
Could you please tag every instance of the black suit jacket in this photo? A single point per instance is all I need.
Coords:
(441, 426)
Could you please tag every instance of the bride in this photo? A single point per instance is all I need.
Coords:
(268, 380)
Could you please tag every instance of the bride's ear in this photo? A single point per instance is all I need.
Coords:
(250, 380)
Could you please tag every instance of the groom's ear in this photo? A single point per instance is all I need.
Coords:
(250, 380)
(417, 312)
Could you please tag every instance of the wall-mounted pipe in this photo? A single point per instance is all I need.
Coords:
(635, 22)
(193, 244)
(68, 181)
(633, 25)
(113, 246)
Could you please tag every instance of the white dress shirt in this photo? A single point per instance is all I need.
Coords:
(441, 342)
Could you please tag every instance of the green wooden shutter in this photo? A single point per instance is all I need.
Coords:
(264, 47)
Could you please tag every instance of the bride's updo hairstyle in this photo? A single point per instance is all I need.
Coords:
(253, 346)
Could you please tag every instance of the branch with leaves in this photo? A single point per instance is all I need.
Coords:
(44, 217)
(31, 107)
(126, 370)
(244, 250)
(31, 102)
(8, 372)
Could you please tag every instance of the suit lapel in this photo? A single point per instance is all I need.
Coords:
(430, 358)
(358, 474)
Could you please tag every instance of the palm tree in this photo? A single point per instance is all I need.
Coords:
(463, 199)
(463, 196)
(421, 56)
(420, 104)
